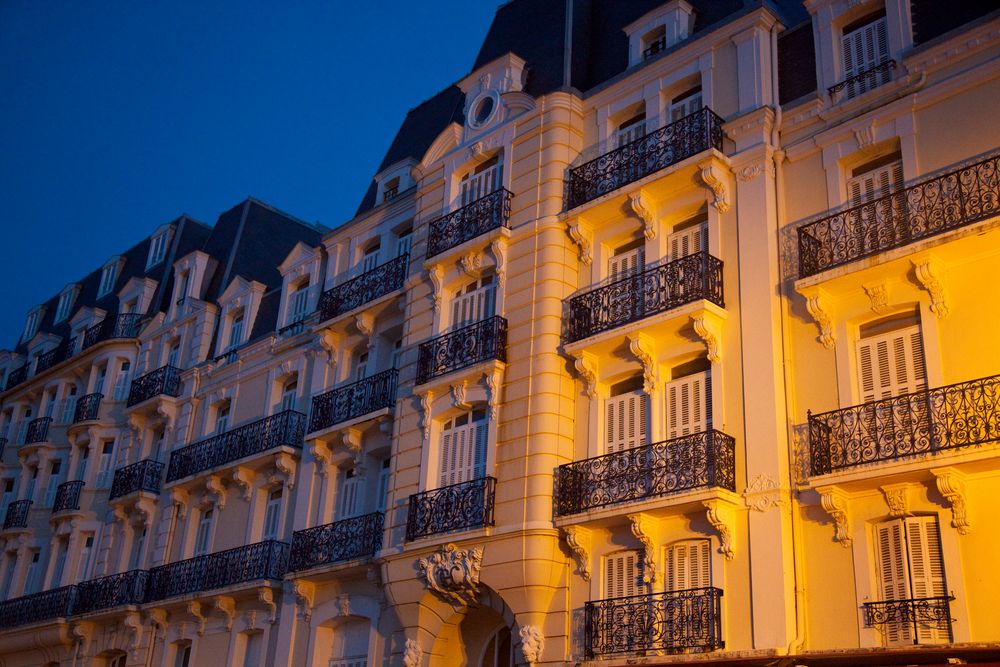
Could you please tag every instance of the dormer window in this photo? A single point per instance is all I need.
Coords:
(185, 285)
(66, 300)
(486, 178)
(31, 324)
(390, 189)
(109, 275)
(298, 303)
(659, 30)
(653, 42)
(157, 250)
(865, 52)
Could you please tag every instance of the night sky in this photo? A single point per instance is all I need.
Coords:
(117, 116)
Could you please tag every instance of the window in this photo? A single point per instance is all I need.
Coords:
(272, 515)
(235, 331)
(252, 656)
(627, 260)
(481, 181)
(369, 260)
(689, 565)
(876, 179)
(105, 470)
(123, 381)
(118, 660)
(22, 428)
(65, 304)
(8, 496)
(360, 366)
(108, 277)
(688, 238)
(688, 404)
(81, 463)
(864, 46)
(626, 417)
(298, 307)
(350, 644)
(404, 242)
(891, 358)
(473, 303)
(31, 324)
(60, 567)
(32, 482)
(222, 417)
(174, 355)
(390, 189)
(653, 42)
(102, 373)
(397, 353)
(204, 535)
(623, 575)
(463, 448)
(685, 104)
(31, 579)
(86, 553)
(69, 405)
(382, 493)
(185, 287)
(55, 479)
(8, 577)
(288, 395)
(50, 403)
(139, 541)
(157, 250)
(351, 494)
(631, 130)
(183, 655)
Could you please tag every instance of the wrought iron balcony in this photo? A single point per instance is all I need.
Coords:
(164, 381)
(671, 621)
(911, 616)
(650, 153)
(357, 537)
(481, 216)
(16, 377)
(252, 562)
(862, 82)
(367, 287)
(17, 514)
(38, 430)
(37, 607)
(88, 408)
(57, 355)
(282, 429)
(697, 461)
(293, 329)
(656, 289)
(924, 422)
(116, 326)
(459, 506)
(956, 199)
(354, 400)
(112, 591)
(67, 496)
(468, 346)
(142, 476)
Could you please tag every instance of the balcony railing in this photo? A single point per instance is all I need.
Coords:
(655, 290)
(67, 496)
(367, 287)
(16, 377)
(354, 400)
(956, 199)
(657, 150)
(468, 346)
(911, 616)
(164, 381)
(252, 562)
(483, 215)
(117, 326)
(656, 46)
(293, 329)
(924, 422)
(38, 430)
(459, 506)
(696, 461)
(37, 607)
(671, 621)
(283, 429)
(862, 82)
(17, 514)
(87, 408)
(357, 537)
(113, 591)
(57, 355)
(142, 476)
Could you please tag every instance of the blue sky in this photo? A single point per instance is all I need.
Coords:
(117, 116)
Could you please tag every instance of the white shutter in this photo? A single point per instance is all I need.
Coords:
(31, 578)
(685, 106)
(891, 364)
(60, 568)
(69, 406)
(927, 580)
(626, 421)
(350, 644)
(626, 263)
(463, 450)
(689, 565)
(478, 185)
(629, 131)
(55, 479)
(351, 494)
(85, 555)
(300, 303)
(271, 515)
(622, 575)
(688, 404)
(689, 241)
(863, 49)
(204, 533)
(403, 243)
(123, 381)
(875, 183)
(473, 303)
(382, 494)
(370, 260)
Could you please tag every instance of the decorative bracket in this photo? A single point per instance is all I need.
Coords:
(764, 493)
(351, 437)
(227, 606)
(343, 604)
(951, 484)
(814, 304)
(244, 477)
(578, 539)
(643, 207)
(181, 499)
(927, 272)
(835, 504)
(453, 574)
(532, 643)
(323, 456)
(709, 331)
(436, 275)
(642, 347)
(215, 489)
(878, 293)
(284, 470)
(494, 380)
(458, 395)
(586, 365)
(194, 609)
(266, 597)
(499, 249)
(412, 655)
(330, 342)
(158, 617)
(714, 179)
(365, 323)
(305, 597)
(897, 497)
(426, 402)
(644, 527)
(722, 516)
(472, 264)
(133, 622)
(582, 237)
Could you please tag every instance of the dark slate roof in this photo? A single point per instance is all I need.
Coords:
(266, 321)
(933, 18)
(796, 63)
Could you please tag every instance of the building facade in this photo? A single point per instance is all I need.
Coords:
(652, 340)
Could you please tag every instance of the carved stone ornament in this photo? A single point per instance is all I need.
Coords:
(644, 528)
(194, 610)
(926, 271)
(581, 237)
(865, 135)
(343, 604)
(412, 654)
(330, 342)
(351, 438)
(763, 494)
(215, 492)
(642, 207)
(436, 275)
(878, 293)
(266, 597)
(815, 307)
(244, 478)
(321, 453)
(642, 348)
(578, 540)
(715, 180)
(472, 264)
(305, 596)
(707, 330)
(951, 484)
(722, 516)
(835, 504)
(227, 606)
(133, 623)
(586, 365)
(499, 249)
(83, 632)
(283, 471)
(494, 380)
(453, 574)
(458, 395)
(897, 497)
(426, 402)
(532, 643)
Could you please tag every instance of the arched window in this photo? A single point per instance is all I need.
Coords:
(350, 643)
(498, 649)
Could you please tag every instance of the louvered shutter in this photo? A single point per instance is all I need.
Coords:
(891, 364)
(890, 539)
(876, 183)
(689, 241)
(480, 430)
(626, 263)
(478, 185)
(689, 565)
(630, 131)
(622, 575)
(688, 404)
(351, 494)
(473, 304)
(927, 579)
(626, 421)
(685, 106)
(863, 49)
(463, 451)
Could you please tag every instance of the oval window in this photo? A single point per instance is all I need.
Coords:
(484, 109)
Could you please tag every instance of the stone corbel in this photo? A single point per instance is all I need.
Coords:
(244, 478)
(643, 207)
(330, 342)
(499, 249)
(181, 499)
(714, 179)
(764, 493)
(927, 271)
(227, 606)
(951, 484)
(412, 655)
(343, 604)
(578, 539)
(365, 323)
(835, 504)
(878, 294)
(194, 609)
(645, 528)
(642, 348)
(158, 617)
(494, 381)
(458, 395)
(250, 619)
(815, 299)
(426, 403)
(84, 633)
(722, 516)
(586, 365)
(436, 275)
(321, 453)
(897, 497)
(266, 597)
(305, 597)
(581, 235)
(284, 470)
(351, 438)
(215, 491)
(144, 510)
(709, 330)
(472, 264)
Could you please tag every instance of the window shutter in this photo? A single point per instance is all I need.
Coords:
(689, 565)
(893, 585)
(689, 241)
(481, 434)
(383, 486)
(688, 408)
(351, 494)
(927, 580)
(891, 364)
(474, 303)
(630, 131)
(627, 263)
(463, 451)
(622, 575)
(627, 421)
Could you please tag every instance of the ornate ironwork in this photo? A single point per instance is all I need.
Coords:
(17, 514)
(357, 537)
(468, 346)
(862, 82)
(282, 429)
(142, 476)
(924, 422)
(16, 377)
(116, 326)
(655, 290)
(37, 607)
(354, 400)
(293, 329)
(252, 562)
(699, 460)
(950, 201)
(67, 496)
(56, 355)
(38, 430)
(656, 46)
(671, 621)
(915, 615)
(367, 287)
(456, 507)
(164, 381)
(87, 408)
(693, 134)
(113, 591)
(483, 215)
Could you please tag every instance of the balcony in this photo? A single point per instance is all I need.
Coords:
(67, 497)
(57, 355)
(461, 506)
(911, 616)
(697, 461)
(483, 215)
(16, 377)
(88, 408)
(252, 562)
(650, 153)
(925, 422)
(357, 537)
(284, 429)
(142, 476)
(367, 287)
(164, 381)
(117, 326)
(953, 200)
(354, 400)
(38, 607)
(112, 591)
(483, 341)
(674, 621)
(38, 431)
(17, 514)
(656, 289)
(862, 82)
